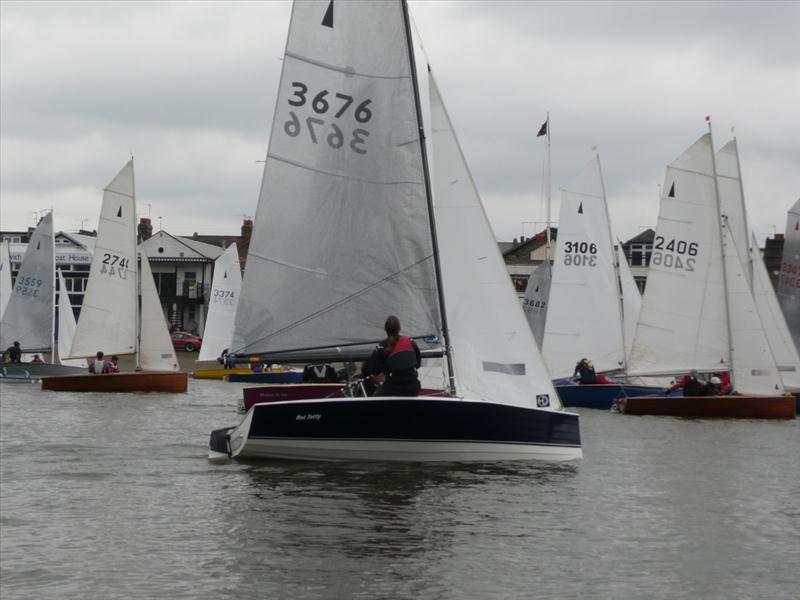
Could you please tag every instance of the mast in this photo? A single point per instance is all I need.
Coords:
(137, 296)
(429, 196)
(722, 249)
(53, 315)
(547, 189)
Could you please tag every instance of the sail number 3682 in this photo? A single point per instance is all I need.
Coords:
(318, 129)
(674, 254)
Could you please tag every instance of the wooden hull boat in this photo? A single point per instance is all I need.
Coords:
(218, 373)
(735, 407)
(137, 381)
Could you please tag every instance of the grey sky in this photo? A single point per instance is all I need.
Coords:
(189, 88)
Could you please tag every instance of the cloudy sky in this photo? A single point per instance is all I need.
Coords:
(189, 89)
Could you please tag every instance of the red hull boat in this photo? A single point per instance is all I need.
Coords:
(734, 407)
(136, 381)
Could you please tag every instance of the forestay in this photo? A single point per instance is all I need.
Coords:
(789, 278)
(107, 320)
(584, 316)
(341, 236)
(495, 356)
(226, 287)
(156, 352)
(28, 317)
(66, 325)
(683, 321)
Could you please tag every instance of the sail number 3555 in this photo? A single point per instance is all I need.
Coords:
(323, 103)
(674, 254)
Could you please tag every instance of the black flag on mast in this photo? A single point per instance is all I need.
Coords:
(542, 129)
(327, 20)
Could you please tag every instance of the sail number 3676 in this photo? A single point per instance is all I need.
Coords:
(338, 105)
(674, 254)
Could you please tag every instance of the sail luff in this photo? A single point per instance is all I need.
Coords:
(5, 276)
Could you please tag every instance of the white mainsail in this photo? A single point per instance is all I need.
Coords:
(584, 316)
(344, 167)
(226, 288)
(108, 316)
(5, 276)
(631, 300)
(29, 315)
(536, 299)
(66, 325)
(156, 352)
(495, 356)
(774, 323)
(789, 277)
(683, 322)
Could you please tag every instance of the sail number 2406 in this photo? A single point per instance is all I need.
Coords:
(674, 254)
(334, 105)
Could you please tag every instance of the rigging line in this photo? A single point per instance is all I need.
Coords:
(294, 163)
(342, 301)
(349, 71)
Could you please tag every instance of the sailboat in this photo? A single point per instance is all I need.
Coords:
(225, 289)
(585, 314)
(346, 233)
(698, 310)
(113, 319)
(29, 316)
(66, 326)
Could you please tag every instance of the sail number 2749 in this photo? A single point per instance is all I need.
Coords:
(674, 254)
(334, 105)
(114, 264)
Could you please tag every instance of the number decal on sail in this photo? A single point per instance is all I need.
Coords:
(321, 131)
(580, 254)
(115, 265)
(224, 297)
(530, 305)
(28, 286)
(674, 254)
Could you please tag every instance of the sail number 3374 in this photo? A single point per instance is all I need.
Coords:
(334, 106)
(674, 254)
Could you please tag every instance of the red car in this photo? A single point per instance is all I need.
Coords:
(182, 340)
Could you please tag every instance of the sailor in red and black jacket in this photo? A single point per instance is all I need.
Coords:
(395, 362)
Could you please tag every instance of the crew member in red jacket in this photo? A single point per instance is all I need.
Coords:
(395, 362)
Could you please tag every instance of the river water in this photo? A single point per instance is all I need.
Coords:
(112, 496)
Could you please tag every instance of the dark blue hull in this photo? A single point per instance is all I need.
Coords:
(416, 429)
(285, 377)
(602, 395)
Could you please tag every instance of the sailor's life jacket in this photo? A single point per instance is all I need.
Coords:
(693, 387)
(402, 362)
(323, 373)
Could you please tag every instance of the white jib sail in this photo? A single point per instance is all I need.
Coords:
(631, 300)
(584, 318)
(341, 237)
(107, 321)
(536, 299)
(729, 180)
(66, 325)
(789, 277)
(754, 368)
(226, 287)
(28, 317)
(495, 356)
(683, 322)
(156, 352)
(5, 276)
(775, 326)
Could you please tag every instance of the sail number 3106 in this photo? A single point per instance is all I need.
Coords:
(674, 254)
(577, 254)
(318, 129)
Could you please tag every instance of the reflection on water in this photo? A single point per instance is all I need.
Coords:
(112, 497)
